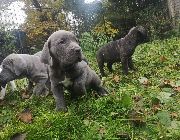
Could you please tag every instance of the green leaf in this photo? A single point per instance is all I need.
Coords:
(126, 100)
(164, 118)
(164, 97)
(167, 90)
(175, 125)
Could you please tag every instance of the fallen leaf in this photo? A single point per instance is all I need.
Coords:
(25, 116)
(177, 89)
(102, 130)
(137, 98)
(18, 136)
(174, 115)
(143, 80)
(116, 78)
(156, 108)
(25, 94)
(167, 83)
(162, 58)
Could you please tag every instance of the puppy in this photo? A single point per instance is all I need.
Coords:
(63, 54)
(17, 66)
(121, 50)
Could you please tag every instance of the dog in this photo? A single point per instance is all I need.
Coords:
(18, 66)
(121, 50)
(64, 56)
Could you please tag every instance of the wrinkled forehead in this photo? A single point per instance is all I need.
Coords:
(59, 35)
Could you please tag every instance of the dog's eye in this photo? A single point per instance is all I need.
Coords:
(77, 40)
(63, 41)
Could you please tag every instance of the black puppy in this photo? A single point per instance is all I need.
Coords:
(121, 50)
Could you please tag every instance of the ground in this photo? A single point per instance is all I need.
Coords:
(143, 105)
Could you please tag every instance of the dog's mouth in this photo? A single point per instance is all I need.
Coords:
(79, 58)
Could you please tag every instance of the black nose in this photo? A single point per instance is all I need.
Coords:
(77, 50)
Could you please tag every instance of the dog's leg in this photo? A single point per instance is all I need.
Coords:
(101, 67)
(130, 64)
(96, 85)
(109, 66)
(79, 89)
(57, 89)
(3, 92)
(38, 89)
(124, 62)
(13, 85)
(30, 86)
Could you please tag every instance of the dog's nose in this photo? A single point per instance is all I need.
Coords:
(77, 50)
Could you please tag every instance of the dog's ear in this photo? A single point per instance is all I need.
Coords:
(19, 66)
(142, 34)
(45, 56)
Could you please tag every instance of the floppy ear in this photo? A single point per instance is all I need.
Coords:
(19, 66)
(45, 56)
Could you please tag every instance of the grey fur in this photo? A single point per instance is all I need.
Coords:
(63, 54)
(17, 66)
(121, 50)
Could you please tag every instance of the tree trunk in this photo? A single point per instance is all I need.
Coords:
(174, 10)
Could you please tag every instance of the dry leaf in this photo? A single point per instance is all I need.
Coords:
(137, 98)
(177, 89)
(143, 80)
(174, 115)
(25, 94)
(25, 116)
(102, 130)
(162, 58)
(156, 108)
(116, 78)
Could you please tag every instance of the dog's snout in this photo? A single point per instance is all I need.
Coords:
(77, 50)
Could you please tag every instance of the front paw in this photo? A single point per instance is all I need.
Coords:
(61, 109)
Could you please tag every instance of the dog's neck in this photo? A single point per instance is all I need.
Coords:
(69, 68)
(131, 41)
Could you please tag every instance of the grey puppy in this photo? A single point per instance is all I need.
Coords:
(63, 54)
(121, 50)
(17, 66)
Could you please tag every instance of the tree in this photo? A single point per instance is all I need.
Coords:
(43, 18)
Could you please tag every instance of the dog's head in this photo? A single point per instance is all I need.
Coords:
(12, 67)
(62, 47)
(141, 32)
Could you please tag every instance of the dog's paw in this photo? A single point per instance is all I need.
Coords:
(61, 109)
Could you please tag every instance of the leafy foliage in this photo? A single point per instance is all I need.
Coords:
(40, 24)
(7, 44)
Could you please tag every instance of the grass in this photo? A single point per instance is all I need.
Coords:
(133, 110)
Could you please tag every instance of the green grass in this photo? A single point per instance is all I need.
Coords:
(134, 110)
